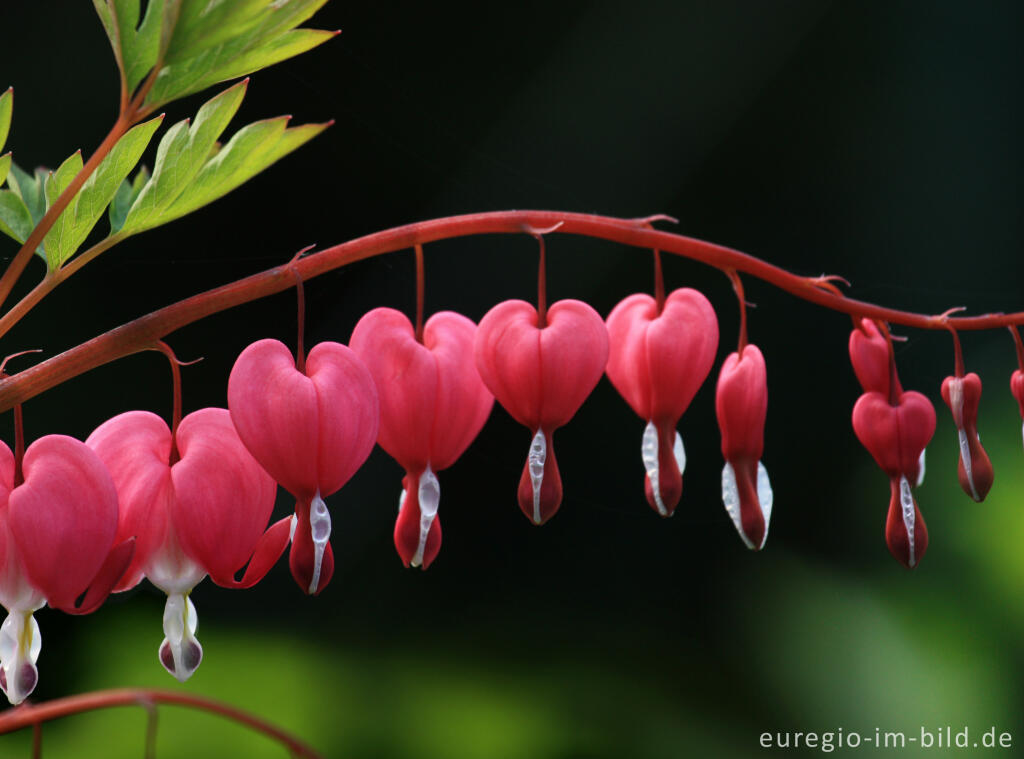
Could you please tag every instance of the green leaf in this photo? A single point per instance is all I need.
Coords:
(5, 166)
(101, 186)
(249, 152)
(29, 188)
(6, 105)
(15, 220)
(215, 41)
(136, 46)
(59, 238)
(125, 197)
(180, 156)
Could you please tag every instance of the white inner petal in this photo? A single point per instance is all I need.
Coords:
(320, 529)
(649, 453)
(180, 623)
(965, 456)
(765, 497)
(920, 469)
(20, 644)
(907, 504)
(731, 499)
(538, 454)
(679, 453)
(429, 496)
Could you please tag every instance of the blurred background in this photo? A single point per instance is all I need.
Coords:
(880, 141)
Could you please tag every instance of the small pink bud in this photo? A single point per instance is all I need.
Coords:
(869, 354)
(541, 376)
(741, 403)
(658, 362)
(962, 395)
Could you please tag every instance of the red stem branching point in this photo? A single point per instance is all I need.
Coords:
(140, 333)
(27, 715)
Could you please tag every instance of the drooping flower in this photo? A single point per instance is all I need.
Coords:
(541, 372)
(657, 362)
(311, 429)
(974, 470)
(1017, 389)
(741, 403)
(896, 432)
(57, 541)
(432, 406)
(199, 504)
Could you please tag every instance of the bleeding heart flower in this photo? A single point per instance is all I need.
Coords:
(741, 403)
(57, 541)
(198, 503)
(896, 433)
(869, 354)
(311, 430)
(432, 406)
(657, 362)
(541, 375)
(962, 395)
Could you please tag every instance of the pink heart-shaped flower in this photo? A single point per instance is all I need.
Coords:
(895, 435)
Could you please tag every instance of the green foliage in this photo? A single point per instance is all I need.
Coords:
(197, 43)
(6, 105)
(180, 156)
(22, 206)
(249, 152)
(136, 49)
(125, 197)
(15, 220)
(5, 166)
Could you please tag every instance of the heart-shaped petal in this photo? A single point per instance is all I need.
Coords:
(310, 431)
(895, 435)
(63, 517)
(741, 403)
(869, 355)
(541, 376)
(433, 403)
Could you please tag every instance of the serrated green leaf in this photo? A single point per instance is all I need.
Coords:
(125, 197)
(180, 156)
(29, 187)
(59, 238)
(101, 186)
(249, 152)
(136, 46)
(15, 220)
(5, 166)
(216, 41)
(6, 106)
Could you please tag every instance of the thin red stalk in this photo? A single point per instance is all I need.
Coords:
(176, 402)
(30, 714)
(37, 741)
(659, 283)
(895, 388)
(419, 292)
(958, 353)
(300, 347)
(19, 445)
(737, 286)
(542, 285)
(1019, 345)
(140, 333)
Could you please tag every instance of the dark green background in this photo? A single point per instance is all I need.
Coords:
(880, 141)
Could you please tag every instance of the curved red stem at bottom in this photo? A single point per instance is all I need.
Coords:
(34, 714)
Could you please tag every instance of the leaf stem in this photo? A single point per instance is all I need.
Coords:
(141, 333)
(35, 714)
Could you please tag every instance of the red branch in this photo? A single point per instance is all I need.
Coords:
(141, 333)
(33, 714)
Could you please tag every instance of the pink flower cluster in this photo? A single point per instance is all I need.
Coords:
(141, 500)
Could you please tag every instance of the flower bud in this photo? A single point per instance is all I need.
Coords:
(962, 395)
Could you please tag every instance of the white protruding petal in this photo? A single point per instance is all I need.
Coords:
(20, 644)
(965, 456)
(429, 497)
(401, 500)
(320, 529)
(765, 497)
(292, 524)
(679, 453)
(920, 469)
(538, 454)
(649, 453)
(907, 504)
(731, 499)
(180, 652)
